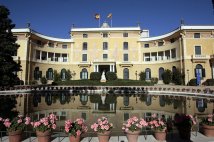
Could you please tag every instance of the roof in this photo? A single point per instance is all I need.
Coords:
(27, 30)
(105, 29)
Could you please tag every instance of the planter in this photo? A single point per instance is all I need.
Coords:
(74, 139)
(160, 135)
(104, 137)
(132, 136)
(208, 130)
(43, 136)
(185, 132)
(15, 136)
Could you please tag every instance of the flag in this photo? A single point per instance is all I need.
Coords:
(97, 16)
(109, 15)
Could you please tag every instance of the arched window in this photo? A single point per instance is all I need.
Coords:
(148, 73)
(37, 73)
(84, 74)
(126, 73)
(49, 74)
(199, 71)
(63, 74)
(161, 70)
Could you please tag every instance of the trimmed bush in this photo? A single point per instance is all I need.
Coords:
(154, 80)
(167, 76)
(209, 82)
(111, 76)
(142, 76)
(177, 77)
(44, 80)
(95, 76)
(192, 82)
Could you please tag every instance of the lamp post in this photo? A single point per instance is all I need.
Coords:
(136, 74)
(187, 77)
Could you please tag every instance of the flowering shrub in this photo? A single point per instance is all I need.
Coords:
(102, 125)
(134, 124)
(209, 120)
(184, 120)
(76, 127)
(45, 124)
(157, 124)
(17, 123)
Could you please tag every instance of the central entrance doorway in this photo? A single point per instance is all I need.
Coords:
(104, 68)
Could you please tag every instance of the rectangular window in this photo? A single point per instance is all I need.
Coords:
(57, 57)
(64, 58)
(85, 46)
(160, 43)
(84, 57)
(125, 34)
(50, 56)
(105, 35)
(105, 45)
(37, 54)
(105, 56)
(125, 57)
(44, 55)
(125, 45)
(50, 44)
(197, 35)
(64, 46)
(85, 35)
(197, 50)
(146, 45)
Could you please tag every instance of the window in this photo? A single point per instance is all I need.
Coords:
(125, 34)
(172, 40)
(64, 58)
(39, 43)
(85, 35)
(197, 50)
(49, 74)
(197, 35)
(37, 73)
(148, 74)
(84, 74)
(37, 54)
(105, 45)
(125, 45)
(161, 70)
(160, 43)
(57, 57)
(125, 57)
(199, 71)
(84, 57)
(64, 46)
(84, 46)
(63, 74)
(126, 73)
(44, 55)
(105, 56)
(50, 56)
(146, 45)
(105, 35)
(50, 44)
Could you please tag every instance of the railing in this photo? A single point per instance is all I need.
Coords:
(200, 57)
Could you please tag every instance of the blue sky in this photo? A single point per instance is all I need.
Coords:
(55, 17)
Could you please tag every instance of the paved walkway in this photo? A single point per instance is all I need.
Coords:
(195, 137)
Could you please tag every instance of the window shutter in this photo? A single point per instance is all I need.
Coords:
(195, 73)
(35, 74)
(47, 75)
(150, 75)
(196, 103)
(80, 75)
(203, 72)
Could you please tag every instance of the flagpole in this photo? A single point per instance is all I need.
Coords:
(111, 21)
(99, 22)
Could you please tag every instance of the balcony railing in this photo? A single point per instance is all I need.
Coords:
(200, 57)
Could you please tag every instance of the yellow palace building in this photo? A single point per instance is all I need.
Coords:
(127, 51)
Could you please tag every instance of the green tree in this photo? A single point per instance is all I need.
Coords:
(177, 77)
(68, 75)
(57, 76)
(8, 48)
(167, 76)
(142, 76)
(44, 80)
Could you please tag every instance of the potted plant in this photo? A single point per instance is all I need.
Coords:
(44, 127)
(103, 129)
(208, 125)
(132, 128)
(16, 127)
(184, 123)
(159, 126)
(75, 129)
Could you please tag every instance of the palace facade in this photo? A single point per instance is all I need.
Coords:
(127, 51)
